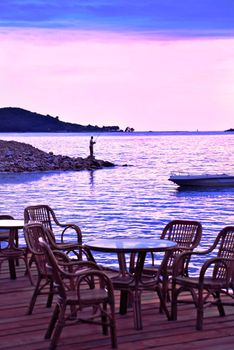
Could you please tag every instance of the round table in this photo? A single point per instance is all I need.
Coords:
(121, 246)
(135, 246)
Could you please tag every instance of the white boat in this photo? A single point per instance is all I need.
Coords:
(215, 180)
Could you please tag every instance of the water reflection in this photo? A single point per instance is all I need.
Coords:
(205, 190)
(91, 181)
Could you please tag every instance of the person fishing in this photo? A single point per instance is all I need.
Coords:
(91, 143)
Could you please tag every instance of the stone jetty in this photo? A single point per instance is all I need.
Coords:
(21, 157)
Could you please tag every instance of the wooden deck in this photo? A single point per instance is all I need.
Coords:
(22, 332)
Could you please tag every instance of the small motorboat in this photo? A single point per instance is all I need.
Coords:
(216, 180)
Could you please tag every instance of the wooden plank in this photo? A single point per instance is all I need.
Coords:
(23, 332)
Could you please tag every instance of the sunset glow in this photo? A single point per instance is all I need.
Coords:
(105, 77)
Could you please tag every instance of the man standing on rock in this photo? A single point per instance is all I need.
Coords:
(91, 143)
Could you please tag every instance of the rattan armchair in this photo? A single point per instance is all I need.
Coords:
(58, 233)
(95, 299)
(216, 276)
(44, 284)
(187, 234)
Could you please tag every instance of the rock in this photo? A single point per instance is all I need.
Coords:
(21, 157)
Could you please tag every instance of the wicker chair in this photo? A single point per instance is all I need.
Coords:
(11, 251)
(44, 284)
(187, 234)
(45, 215)
(216, 276)
(80, 295)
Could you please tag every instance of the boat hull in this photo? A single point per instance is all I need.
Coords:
(203, 180)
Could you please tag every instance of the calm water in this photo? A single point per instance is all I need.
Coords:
(136, 200)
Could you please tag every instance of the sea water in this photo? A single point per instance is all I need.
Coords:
(134, 198)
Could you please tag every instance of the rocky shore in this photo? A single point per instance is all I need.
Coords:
(21, 157)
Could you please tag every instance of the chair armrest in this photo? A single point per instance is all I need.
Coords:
(73, 227)
(77, 249)
(181, 261)
(170, 255)
(69, 225)
(73, 268)
(104, 282)
(61, 257)
(223, 262)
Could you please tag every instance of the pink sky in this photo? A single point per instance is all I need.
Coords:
(118, 79)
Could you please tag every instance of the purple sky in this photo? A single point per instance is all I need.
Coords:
(152, 65)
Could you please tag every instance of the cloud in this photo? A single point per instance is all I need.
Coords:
(181, 17)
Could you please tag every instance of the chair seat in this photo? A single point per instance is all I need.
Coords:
(87, 296)
(95, 295)
(209, 282)
(129, 281)
(150, 270)
(12, 253)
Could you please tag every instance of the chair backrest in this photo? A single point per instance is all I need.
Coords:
(225, 243)
(53, 267)
(186, 233)
(32, 233)
(40, 213)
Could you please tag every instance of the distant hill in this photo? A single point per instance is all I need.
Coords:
(14, 119)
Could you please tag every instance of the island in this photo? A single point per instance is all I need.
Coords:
(16, 157)
(14, 119)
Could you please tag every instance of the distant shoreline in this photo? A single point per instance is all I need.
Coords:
(119, 133)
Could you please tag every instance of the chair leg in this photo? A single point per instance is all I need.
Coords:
(200, 311)
(28, 271)
(58, 327)
(104, 319)
(173, 302)
(52, 323)
(11, 263)
(163, 305)
(31, 260)
(34, 297)
(165, 288)
(123, 302)
(137, 310)
(165, 291)
(219, 304)
(50, 295)
(17, 245)
(113, 328)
